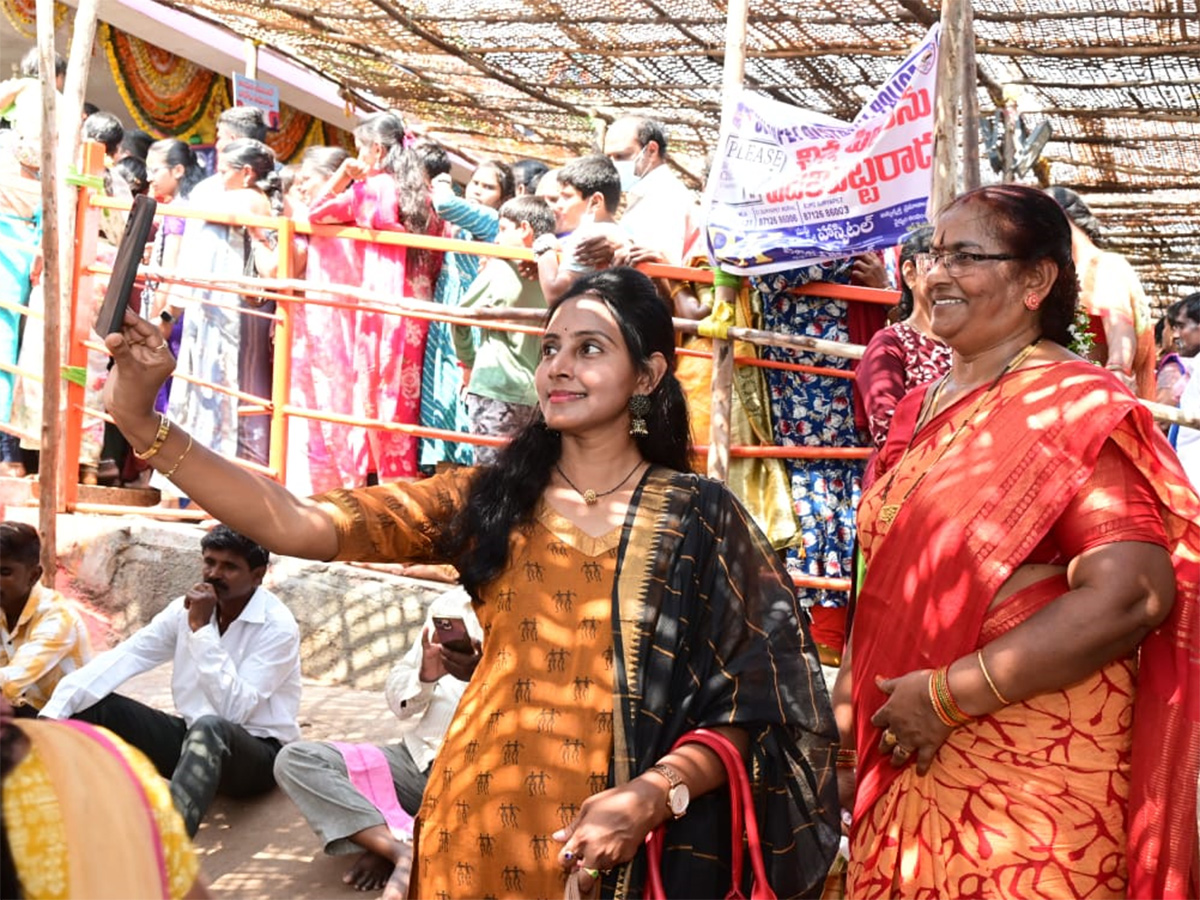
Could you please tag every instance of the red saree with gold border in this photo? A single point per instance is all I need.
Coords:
(1085, 792)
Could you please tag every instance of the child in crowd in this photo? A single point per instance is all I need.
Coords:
(498, 375)
(589, 193)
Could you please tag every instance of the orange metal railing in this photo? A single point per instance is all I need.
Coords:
(285, 289)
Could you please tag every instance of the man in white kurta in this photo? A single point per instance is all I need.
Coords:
(235, 683)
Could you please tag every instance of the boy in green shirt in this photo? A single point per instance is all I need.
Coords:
(498, 374)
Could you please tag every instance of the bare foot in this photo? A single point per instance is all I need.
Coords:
(370, 872)
(397, 885)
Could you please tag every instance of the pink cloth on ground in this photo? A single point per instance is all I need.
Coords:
(372, 777)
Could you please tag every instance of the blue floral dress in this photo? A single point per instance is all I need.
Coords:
(811, 410)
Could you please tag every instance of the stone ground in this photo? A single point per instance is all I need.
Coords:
(262, 848)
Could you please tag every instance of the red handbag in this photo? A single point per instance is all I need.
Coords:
(744, 825)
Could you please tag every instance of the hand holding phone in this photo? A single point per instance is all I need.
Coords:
(451, 633)
(111, 317)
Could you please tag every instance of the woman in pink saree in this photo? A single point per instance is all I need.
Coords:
(384, 189)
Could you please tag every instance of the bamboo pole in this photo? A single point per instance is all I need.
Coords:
(83, 39)
(970, 103)
(48, 474)
(724, 295)
(945, 115)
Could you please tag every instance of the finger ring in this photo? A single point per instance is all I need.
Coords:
(902, 751)
(162, 348)
(568, 855)
(889, 739)
(593, 873)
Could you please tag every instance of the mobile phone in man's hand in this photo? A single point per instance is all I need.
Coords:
(451, 633)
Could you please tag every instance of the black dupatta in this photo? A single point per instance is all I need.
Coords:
(707, 632)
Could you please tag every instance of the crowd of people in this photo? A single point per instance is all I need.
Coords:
(1014, 711)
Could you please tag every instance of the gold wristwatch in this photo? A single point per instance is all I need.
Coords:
(678, 795)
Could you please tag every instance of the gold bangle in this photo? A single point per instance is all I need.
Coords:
(681, 286)
(988, 678)
(164, 428)
(186, 451)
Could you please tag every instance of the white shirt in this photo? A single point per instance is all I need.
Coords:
(425, 708)
(1187, 441)
(250, 675)
(662, 213)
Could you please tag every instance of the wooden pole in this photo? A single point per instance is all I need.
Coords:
(251, 47)
(726, 295)
(945, 121)
(48, 474)
(970, 101)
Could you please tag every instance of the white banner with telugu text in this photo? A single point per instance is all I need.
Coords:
(790, 186)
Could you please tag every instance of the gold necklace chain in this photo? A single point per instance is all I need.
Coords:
(889, 511)
(590, 497)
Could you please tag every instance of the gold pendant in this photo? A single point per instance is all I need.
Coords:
(590, 498)
(888, 512)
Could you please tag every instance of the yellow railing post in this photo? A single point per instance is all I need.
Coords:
(281, 372)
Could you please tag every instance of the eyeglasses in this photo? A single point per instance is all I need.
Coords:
(957, 262)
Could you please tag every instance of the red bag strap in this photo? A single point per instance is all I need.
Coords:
(744, 823)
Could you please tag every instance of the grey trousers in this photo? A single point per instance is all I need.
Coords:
(314, 775)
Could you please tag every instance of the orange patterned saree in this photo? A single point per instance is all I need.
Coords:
(1085, 792)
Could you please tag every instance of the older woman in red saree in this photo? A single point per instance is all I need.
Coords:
(1022, 688)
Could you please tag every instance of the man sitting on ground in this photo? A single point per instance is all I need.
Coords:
(42, 637)
(236, 681)
(352, 811)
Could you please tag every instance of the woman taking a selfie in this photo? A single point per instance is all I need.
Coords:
(624, 601)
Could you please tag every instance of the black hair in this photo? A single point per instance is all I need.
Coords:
(244, 122)
(225, 538)
(1159, 328)
(20, 543)
(287, 176)
(105, 128)
(594, 174)
(652, 130)
(137, 143)
(90, 109)
(531, 209)
(1078, 211)
(406, 165)
(1032, 227)
(527, 172)
(31, 64)
(178, 153)
(504, 176)
(261, 159)
(918, 240)
(1189, 306)
(434, 159)
(133, 170)
(504, 496)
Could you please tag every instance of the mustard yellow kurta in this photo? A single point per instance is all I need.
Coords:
(533, 735)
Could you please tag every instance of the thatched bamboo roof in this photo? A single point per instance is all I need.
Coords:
(1119, 83)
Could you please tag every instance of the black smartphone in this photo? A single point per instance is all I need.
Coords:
(451, 633)
(129, 255)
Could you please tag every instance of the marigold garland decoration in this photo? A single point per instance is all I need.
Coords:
(169, 95)
(165, 93)
(22, 15)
